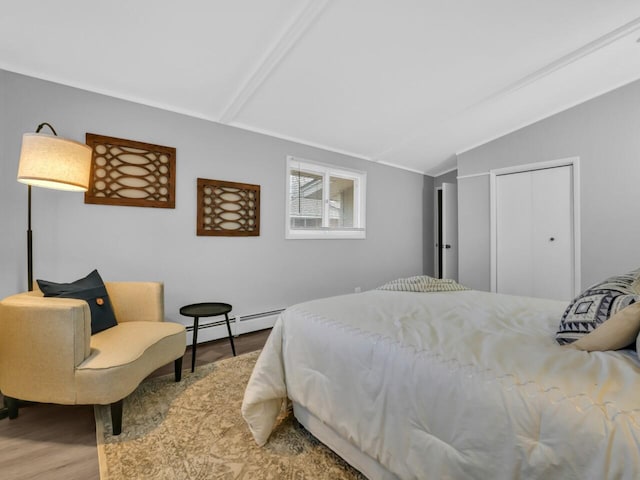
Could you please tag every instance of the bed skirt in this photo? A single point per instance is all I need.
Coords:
(349, 453)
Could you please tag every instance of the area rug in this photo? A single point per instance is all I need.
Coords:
(194, 430)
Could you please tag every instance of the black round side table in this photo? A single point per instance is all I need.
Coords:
(208, 309)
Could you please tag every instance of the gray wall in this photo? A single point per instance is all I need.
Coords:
(254, 274)
(605, 134)
(449, 177)
(428, 230)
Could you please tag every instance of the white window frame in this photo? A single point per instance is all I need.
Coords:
(327, 171)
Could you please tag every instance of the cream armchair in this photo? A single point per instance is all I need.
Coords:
(48, 355)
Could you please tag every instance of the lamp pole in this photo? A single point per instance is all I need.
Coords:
(29, 231)
(29, 242)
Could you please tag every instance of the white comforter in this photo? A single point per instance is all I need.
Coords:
(452, 385)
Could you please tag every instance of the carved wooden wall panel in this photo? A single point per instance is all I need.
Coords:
(124, 172)
(228, 208)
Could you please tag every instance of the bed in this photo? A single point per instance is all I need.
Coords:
(460, 384)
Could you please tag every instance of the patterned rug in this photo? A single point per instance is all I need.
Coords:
(194, 430)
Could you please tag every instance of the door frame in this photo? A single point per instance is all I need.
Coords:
(439, 226)
(493, 204)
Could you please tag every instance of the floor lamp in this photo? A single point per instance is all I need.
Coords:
(54, 162)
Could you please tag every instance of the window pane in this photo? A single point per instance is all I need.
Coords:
(341, 204)
(322, 201)
(305, 198)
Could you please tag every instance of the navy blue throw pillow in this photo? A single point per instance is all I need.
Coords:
(90, 289)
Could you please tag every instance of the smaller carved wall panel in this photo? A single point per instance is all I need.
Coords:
(228, 208)
(124, 172)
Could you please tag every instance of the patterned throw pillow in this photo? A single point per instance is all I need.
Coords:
(422, 283)
(596, 305)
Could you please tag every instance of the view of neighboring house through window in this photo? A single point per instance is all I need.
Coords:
(324, 201)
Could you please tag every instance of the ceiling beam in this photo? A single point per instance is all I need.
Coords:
(571, 57)
(272, 57)
(574, 56)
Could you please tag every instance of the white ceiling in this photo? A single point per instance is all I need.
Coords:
(405, 82)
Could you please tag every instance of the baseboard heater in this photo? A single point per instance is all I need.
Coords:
(261, 315)
(212, 330)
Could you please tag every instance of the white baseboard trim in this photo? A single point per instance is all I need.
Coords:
(215, 328)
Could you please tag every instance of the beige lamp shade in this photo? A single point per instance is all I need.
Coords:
(54, 162)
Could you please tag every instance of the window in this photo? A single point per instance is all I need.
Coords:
(324, 201)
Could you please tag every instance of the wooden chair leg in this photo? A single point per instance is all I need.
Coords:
(178, 368)
(116, 417)
(12, 406)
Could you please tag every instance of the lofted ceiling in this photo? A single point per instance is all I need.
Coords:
(409, 83)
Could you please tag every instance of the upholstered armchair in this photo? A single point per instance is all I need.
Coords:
(48, 355)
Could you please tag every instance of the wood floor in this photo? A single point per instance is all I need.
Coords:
(58, 442)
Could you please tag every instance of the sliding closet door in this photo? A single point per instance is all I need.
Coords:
(534, 233)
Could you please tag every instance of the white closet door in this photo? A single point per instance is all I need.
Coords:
(553, 233)
(514, 211)
(534, 233)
